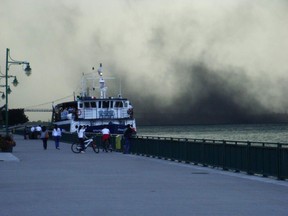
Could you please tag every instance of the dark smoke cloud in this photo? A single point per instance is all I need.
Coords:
(188, 60)
(206, 98)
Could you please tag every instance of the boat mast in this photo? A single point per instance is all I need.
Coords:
(102, 86)
(92, 76)
(83, 86)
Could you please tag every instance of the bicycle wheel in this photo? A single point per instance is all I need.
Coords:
(75, 147)
(95, 147)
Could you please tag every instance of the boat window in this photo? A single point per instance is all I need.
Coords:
(87, 105)
(81, 105)
(118, 104)
(99, 104)
(93, 104)
(105, 104)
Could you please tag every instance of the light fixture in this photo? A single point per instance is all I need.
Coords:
(3, 96)
(15, 81)
(8, 90)
(28, 69)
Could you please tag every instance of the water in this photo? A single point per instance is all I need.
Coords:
(250, 132)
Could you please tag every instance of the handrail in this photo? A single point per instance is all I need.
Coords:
(237, 142)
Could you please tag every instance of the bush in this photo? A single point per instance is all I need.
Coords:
(7, 143)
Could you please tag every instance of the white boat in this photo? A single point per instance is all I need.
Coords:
(114, 113)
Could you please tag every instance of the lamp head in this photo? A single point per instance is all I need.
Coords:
(9, 90)
(15, 81)
(3, 96)
(28, 69)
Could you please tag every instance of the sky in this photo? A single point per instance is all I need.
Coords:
(197, 61)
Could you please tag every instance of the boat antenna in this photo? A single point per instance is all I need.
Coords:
(83, 85)
(120, 89)
(100, 70)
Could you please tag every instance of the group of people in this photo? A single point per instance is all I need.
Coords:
(33, 132)
(81, 136)
(57, 133)
(106, 138)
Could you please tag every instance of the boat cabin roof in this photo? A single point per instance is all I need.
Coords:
(101, 99)
(89, 99)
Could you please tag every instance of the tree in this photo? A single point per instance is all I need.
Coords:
(15, 116)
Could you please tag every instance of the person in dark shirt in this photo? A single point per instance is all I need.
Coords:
(127, 136)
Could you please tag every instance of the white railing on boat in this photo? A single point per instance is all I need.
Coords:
(104, 113)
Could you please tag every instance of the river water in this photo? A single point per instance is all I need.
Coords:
(238, 132)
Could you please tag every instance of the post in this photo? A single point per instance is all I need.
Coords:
(6, 91)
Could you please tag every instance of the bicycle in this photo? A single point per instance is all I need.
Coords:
(76, 146)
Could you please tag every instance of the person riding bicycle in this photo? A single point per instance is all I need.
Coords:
(105, 138)
(81, 136)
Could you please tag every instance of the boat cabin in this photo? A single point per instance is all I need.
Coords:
(89, 108)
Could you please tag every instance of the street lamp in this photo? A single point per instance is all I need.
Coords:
(10, 61)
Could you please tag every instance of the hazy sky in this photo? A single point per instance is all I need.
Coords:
(198, 52)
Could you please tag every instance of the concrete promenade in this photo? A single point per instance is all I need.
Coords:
(37, 182)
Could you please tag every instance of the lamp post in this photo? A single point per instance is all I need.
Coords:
(10, 61)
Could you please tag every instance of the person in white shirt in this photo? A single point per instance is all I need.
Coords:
(56, 133)
(81, 136)
(38, 131)
(33, 132)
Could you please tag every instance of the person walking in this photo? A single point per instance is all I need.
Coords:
(44, 136)
(59, 134)
(56, 133)
(127, 135)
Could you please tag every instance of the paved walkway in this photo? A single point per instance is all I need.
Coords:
(52, 182)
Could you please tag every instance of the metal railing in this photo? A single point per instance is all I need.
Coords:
(253, 158)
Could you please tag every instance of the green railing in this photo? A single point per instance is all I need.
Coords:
(259, 158)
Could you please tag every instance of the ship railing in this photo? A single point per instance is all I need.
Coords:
(104, 114)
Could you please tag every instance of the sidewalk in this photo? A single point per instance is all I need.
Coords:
(37, 182)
